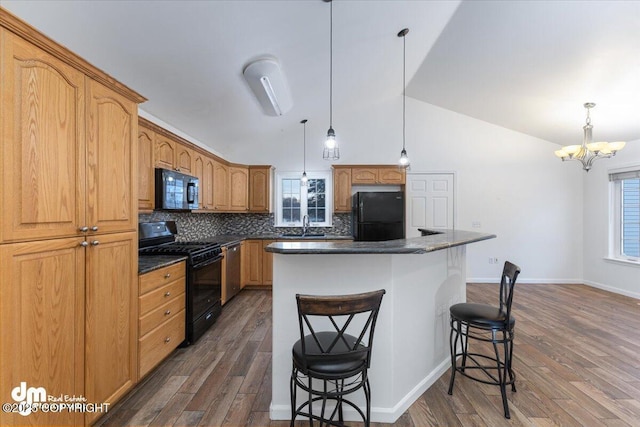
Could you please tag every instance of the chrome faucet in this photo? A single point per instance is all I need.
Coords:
(305, 224)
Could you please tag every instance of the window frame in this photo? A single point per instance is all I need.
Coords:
(326, 175)
(615, 217)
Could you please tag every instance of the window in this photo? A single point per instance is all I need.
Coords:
(626, 214)
(294, 201)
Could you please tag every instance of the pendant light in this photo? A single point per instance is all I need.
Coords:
(304, 180)
(404, 159)
(331, 150)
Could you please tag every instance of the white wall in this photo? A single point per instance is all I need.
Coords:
(513, 185)
(599, 272)
(509, 182)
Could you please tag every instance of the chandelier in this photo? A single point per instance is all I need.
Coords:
(588, 152)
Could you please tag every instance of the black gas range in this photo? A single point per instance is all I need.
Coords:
(204, 273)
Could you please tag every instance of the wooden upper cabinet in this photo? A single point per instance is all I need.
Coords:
(199, 160)
(391, 175)
(208, 186)
(164, 152)
(112, 128)
(42, 145)
(184, 159)
(239, 188)
(377, 175)
(364, 175)
(146, 178)
(259, 186)
(220, 186)
(342, 189)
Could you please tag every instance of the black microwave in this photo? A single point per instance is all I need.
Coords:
(175, 190)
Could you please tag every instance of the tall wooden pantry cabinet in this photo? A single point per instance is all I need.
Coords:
(68, 242)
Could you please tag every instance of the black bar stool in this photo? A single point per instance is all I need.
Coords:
(489, 324)
(337, 359)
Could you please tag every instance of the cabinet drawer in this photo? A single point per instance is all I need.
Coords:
(160, 296)
(161, 314)
(160, 277)
(160, 342)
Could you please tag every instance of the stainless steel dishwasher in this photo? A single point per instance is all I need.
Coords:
(232, 285)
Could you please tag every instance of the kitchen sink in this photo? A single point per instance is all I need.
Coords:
(302, 235)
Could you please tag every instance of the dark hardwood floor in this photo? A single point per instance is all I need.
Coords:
(576, 357)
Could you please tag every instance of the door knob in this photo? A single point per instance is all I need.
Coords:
(95, 242)
(84, 244)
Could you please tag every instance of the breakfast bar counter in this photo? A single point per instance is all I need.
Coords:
(422, 277)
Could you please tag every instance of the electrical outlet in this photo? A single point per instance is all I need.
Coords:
(493, 260)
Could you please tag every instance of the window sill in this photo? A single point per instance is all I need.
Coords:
(623, 261)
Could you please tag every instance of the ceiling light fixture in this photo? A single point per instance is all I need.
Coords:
(331, 150)
(404, 159)
(588, 152)
(269, 85)
(304, 180)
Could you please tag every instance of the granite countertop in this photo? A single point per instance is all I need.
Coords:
(147, 263)
(415, 245)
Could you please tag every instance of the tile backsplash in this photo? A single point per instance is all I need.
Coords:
(192, 226)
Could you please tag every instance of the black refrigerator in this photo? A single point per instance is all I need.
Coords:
(377, 216)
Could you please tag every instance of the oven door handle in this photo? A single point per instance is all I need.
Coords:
(209, 261)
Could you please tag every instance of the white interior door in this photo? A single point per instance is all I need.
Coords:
(430, 202)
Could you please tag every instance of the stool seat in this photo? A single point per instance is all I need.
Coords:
(340, 361)
(482, 315)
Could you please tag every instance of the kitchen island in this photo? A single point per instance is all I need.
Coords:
(422, 277)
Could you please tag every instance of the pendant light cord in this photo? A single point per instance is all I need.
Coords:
(404, 86)
(331, 66)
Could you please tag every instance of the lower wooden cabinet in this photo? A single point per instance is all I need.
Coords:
(258, 264)
(69, 321)
(161, 322)
(42, 318)
(110, 318)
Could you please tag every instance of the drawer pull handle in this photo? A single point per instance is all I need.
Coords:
(166, 276)
(168, 312)
(167, 339)
(167, 294)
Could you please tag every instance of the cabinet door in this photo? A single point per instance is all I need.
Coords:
(342, 190)
(391, 176)
(146, 183)
(364, 175)
(42, 318)
(259, 183)
(253, 266)
(239, 180)
(184, 159)
(112, 128)
(207, 187)
(111, 317)
(42, 144)
(198, 172)
(220, 186)
(164, 153)
(267, 264)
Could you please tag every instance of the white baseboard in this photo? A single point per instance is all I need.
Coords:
(612, 289)
(562, 282)
(378, 414)
(527, 281)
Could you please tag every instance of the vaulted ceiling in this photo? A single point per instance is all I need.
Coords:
(524, 65)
